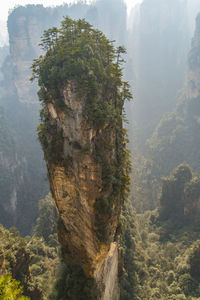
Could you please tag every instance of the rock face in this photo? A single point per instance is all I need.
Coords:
(192, 83)
(27, 24)
(84, 146)
(18, 97)
(23, 49)
(22, 160)
(77, 183)
(176, 138)
(9, 167)
(160, 43)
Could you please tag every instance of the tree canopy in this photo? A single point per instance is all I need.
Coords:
(77, 51)
(10, 289)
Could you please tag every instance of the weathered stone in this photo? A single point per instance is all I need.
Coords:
(76, 182)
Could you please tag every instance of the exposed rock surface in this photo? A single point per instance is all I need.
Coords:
(176, 138)
(193, 71)
(76, 182)
(159, 45)
(19, 98)
(21, 157)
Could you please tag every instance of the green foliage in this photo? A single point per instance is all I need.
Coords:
(71, 283)
(102, 205)
(7, 182)
(194, 261)
(176, 138)
(182, 174)
(132, 272)
(179, 201)
(33, 260)
(43, 247)
(10, 289)
(187, 284)
(46, 222)
(166, 264)
(116, 180)
(16, 259)
(44, 262)
(172, 197)
(192, 194)
(145, 185)
(77, 52)
(51, 140)
(12, 246)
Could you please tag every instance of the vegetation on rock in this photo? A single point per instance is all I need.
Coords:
(32, 260)
(81, 61)
(179, 201)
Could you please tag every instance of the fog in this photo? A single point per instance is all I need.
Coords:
(162, 67)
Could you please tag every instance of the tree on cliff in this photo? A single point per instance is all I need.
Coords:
(172, 198)
(78, 52)
(180, 196)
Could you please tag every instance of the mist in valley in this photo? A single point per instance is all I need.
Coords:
(158, 229)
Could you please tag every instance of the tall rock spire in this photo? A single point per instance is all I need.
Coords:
(84, 147)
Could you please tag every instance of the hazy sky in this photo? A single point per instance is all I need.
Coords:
(6, 5)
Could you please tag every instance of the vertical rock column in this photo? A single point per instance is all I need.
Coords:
(87, 211)
(82, 93)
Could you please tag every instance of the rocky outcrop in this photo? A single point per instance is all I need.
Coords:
(176, 138)
(9, 165)
(21, 159)
(84, 146)
(25, 27)
(78, 185)
(192, 82)
(159, 50)
(19, 98)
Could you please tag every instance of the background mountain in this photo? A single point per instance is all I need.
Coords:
(157, 39)
(20, 102)
(161, 251)
(176, 138)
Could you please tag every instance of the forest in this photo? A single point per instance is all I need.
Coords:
(99, 152)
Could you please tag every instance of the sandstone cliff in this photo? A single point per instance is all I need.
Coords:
(18, 96)
(76, 184)
(84, 147)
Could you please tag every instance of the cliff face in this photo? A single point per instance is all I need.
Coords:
(159, 46)
(86, 235)
(23, 48)
(176, 138)
(192, 86)
(25, 166)
(85, 149)
(21, 105)
(26, 26)
(8, 168)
